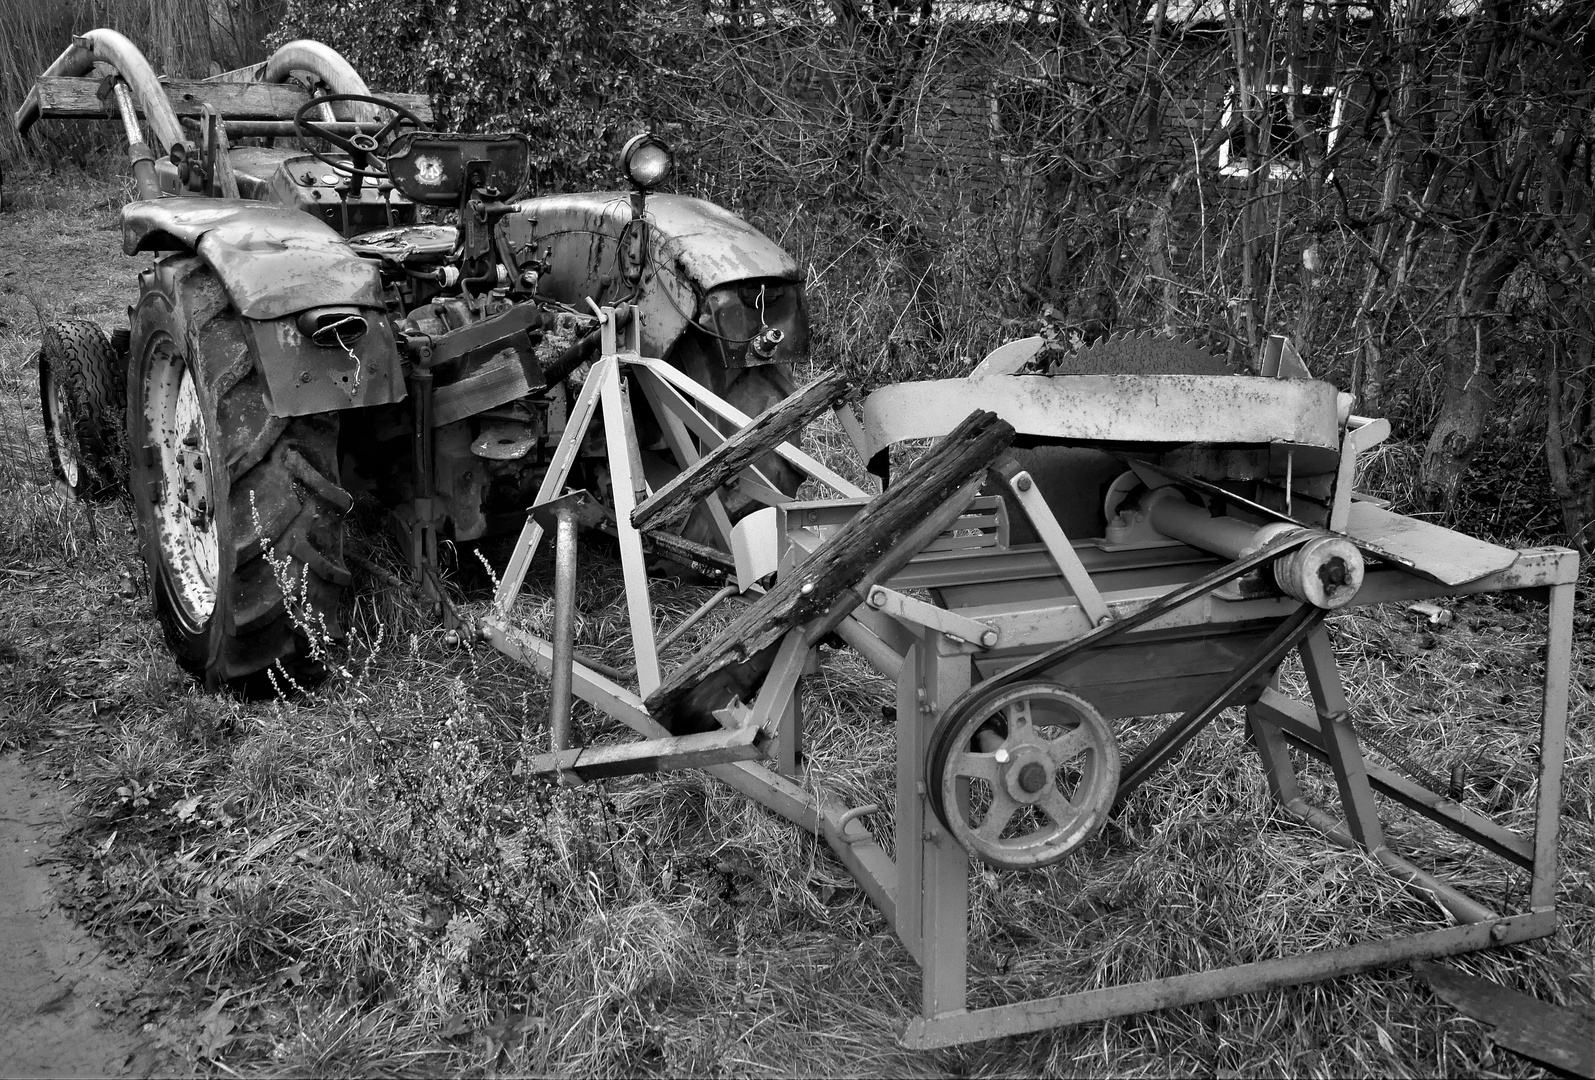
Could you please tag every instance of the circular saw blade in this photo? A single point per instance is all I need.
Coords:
(1138, 354)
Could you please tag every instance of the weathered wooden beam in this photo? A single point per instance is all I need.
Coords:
(65, 98)
(653, 755)
(872, 546)
(716, 468)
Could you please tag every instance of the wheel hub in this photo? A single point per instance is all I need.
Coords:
(193, 490)
(1028, 773)
(62, 433)
(1033, 778)
(183, 504)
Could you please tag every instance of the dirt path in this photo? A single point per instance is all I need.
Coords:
(55, 982)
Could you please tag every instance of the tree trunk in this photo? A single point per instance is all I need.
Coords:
(1567, 438)
(1469, 366)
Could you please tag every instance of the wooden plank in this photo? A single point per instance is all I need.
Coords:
(726, 411)
(873, 545)
(654, 755)
(1550, 1034)
(65, 98)
(771, 428)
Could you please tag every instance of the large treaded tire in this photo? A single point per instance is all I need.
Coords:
(82, 391)
(280, 474)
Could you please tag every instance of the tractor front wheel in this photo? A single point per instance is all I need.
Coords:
(82, 386)
(240, 513)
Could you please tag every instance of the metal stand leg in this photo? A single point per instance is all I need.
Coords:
(1553, 744)
(564, 630)
(1275, 754)
(933, 869)
(625, 478)
(789, 734)
(565, 453)
(1345, 757)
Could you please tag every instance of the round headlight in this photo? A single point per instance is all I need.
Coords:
(646, 160)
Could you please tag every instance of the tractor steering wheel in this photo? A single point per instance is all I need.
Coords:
(365, 151)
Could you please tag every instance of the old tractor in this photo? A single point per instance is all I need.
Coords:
(377, 311)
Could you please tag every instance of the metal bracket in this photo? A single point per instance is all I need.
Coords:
(947, 623)
(1057, 544)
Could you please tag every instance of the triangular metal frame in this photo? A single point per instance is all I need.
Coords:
(686, 410)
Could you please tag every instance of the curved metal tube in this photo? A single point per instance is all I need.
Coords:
(110, 47)
(72, 61)
(328, 65)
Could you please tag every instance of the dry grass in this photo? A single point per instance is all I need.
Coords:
(360, 881)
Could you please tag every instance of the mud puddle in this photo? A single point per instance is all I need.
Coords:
(61, 996)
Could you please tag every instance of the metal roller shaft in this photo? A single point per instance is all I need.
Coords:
(1325, 572)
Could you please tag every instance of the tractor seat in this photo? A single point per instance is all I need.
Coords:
(408, 245)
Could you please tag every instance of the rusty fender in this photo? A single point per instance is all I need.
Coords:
(277, 264)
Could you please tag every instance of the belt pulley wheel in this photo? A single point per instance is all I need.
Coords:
(1024, 776)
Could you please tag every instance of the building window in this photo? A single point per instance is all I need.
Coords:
(1317, 108)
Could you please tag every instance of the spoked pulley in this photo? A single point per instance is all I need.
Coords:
(1023, 776)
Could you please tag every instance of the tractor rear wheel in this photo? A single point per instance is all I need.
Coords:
(82, 387)
(240, 513)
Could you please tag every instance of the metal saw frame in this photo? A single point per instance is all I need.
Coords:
(1005, 605)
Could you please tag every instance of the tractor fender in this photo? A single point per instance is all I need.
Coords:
(273, 261)
(276, 264)
(695, 247)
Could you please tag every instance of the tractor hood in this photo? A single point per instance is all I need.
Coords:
(704, 243)
(694, 248)
(272, 260)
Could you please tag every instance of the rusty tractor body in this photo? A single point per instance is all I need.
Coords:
(379, 313)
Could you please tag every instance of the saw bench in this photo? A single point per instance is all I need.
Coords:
(1094, 546)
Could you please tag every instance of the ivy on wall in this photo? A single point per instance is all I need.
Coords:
(557, 70)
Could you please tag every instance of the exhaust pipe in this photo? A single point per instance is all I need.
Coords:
(333, 327)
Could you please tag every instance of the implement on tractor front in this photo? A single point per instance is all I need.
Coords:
(183, 143)
(1156, 535)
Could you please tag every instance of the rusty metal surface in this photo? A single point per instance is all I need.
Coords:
(1145, 409)
(1087, 1006)
(695, 246)
(273, 261)
(1427, 550)
(1138, 354)
(434, 168)
(305, 378)
(706, 243)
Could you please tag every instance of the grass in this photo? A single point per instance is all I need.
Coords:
(361, 881)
